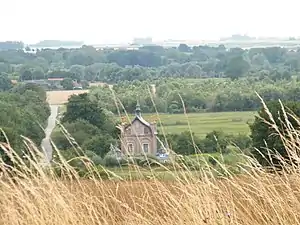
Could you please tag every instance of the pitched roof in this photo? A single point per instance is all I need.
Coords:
(139, 117)
(55, 79)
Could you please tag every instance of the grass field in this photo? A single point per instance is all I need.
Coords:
(203, 123)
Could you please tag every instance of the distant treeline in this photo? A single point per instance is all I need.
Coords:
(151, 62)
(198, 95)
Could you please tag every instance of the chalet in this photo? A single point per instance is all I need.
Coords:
(139, 137)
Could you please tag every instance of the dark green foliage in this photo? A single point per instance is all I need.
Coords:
(111, 161)
(183, 143)
(21, 89)
(199, 95)
(241, 141)
(148, 62)
(5, 82)
(214, 142)
(81, 107)
(67, 83)
(99, 144)
(92, 127)
(265, 137)
(80, 130)
(23, 112)
(237, 67)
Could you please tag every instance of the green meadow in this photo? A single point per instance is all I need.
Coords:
(203, 123)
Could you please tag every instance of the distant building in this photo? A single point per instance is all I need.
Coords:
(55, 79)
(14, 82)
(76, 85)
(142, 41)
(139, 137)
(55, 83)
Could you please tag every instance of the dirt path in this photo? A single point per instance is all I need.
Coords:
(46, 145)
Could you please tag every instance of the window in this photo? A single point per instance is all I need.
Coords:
(146, 148)
(130, 148)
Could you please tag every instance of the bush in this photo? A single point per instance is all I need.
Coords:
(147, 161)
(97, 160)
(112, 161)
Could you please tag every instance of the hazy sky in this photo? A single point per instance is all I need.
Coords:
(109, 21)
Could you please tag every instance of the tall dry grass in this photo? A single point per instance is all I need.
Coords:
(32, 193)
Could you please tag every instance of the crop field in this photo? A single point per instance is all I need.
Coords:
(61, 97)
(203, 123)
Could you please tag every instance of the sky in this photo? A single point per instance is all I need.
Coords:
(119, 21)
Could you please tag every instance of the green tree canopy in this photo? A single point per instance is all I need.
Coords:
(67, 83)
(265, 137)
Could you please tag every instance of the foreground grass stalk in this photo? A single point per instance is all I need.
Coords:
(35, 193)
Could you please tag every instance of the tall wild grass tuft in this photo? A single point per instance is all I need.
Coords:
(35, 193)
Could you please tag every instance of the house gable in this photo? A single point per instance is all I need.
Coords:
(137, 127)
(139, 137)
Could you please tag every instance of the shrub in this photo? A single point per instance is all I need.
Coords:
(112, 161)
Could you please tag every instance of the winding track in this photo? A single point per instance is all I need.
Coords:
(46, 144)
(55, 99)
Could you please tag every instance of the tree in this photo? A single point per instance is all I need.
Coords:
(5, 82)
(40, 92)
(77, 72)
(38, 74)
(80, 130)
(265, 137)
(82, 107)
(236, 67)
(92, 127)
(26, 75)
(184, 48)
(99, 144)
(183, 143)
(67, 83)
(23, 110)
(215, 141)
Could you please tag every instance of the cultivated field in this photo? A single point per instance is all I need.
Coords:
(61, 97)
(203, 123)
